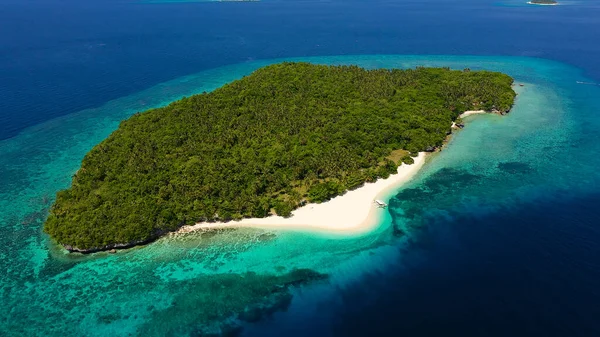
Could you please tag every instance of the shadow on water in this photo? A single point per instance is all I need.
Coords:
(527, 270)
(233, 300)
(407, 206)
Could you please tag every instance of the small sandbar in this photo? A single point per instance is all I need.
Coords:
(539, 4)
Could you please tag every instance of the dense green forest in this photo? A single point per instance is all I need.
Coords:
(287, 134)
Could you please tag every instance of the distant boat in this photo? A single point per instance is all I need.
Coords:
(380, 204)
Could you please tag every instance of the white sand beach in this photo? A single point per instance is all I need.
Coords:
(471, 112)
(533, 3)
(355, 211)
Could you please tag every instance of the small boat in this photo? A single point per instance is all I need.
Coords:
(380, 204)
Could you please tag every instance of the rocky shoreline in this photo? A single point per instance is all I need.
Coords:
(112, 248)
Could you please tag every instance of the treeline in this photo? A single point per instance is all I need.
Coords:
(287, 134)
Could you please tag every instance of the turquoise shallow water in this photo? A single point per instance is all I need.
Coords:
(182, 286)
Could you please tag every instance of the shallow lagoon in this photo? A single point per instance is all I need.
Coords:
(185, 285)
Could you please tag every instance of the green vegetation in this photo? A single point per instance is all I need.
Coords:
(408, 160)
(287, 134)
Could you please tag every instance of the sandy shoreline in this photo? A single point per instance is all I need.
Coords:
(471, 112)
(353, 212)
(532, 3)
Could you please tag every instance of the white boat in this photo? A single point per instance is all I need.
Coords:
(380, 204)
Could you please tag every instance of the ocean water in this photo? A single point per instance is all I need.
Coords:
(498, 235)
(496, 168)
(59, 57)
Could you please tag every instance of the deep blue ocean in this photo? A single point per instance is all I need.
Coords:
(500, 231)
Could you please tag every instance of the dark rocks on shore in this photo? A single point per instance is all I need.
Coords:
(109, 248)
(114, 247)
(500, 112)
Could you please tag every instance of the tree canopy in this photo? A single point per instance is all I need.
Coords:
(286, 134)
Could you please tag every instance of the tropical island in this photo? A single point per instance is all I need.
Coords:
(543, 2)
(286, 135)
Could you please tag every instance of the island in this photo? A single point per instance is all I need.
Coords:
(264, 145)
(543, 2)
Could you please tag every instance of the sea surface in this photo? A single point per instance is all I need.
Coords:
(498, 235)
